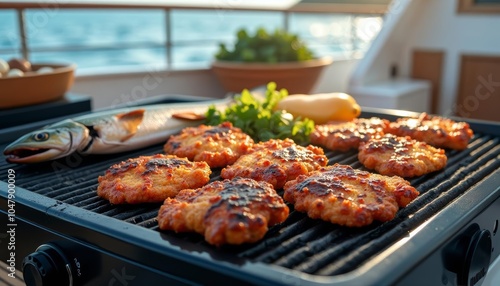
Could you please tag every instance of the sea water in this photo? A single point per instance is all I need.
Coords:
(97, 38)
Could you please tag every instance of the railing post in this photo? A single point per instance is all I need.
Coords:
(22, 33)
(354, 35)
(286, 21)
(168, 37)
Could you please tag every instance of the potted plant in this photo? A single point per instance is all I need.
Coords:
(257, 59)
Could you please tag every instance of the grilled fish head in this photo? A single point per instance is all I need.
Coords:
(49, 143)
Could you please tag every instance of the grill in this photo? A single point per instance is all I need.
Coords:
(56, 206)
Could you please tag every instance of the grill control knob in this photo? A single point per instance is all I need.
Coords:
(47, 266)
(469, 255)
(477, 259)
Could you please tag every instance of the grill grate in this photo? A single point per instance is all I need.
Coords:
(300, 243)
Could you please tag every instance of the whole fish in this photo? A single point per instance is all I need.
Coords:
(107, 132)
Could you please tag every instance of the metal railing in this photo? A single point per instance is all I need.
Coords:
(25, 50)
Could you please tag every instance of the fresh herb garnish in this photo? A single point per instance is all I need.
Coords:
(258, 119)
(262, 46)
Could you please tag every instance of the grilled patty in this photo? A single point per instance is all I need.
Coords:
(226, 212)
(343, 136)
(276, 162)
(149, 179)
(401, 156)
(349, 197)
(219, 145)
(434, 130)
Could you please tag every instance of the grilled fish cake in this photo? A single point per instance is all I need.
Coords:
(402, 156)
(149, 179)
(226, 212)
(276, 162)
(435, 130)
(349, 197)
(219, 145)
(347, 135)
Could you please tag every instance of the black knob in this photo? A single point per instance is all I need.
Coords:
(477, 259)
(47, 266)
(468, 255)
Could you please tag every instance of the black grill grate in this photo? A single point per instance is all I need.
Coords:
(300, 243)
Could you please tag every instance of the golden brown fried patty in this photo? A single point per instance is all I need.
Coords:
(401, 156)
(226, 212)
(435, 130)
(347, 135)
(148, 179)
(219, 145)
(276, 162)
(349, 197)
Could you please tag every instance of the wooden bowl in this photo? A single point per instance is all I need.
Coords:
(34, 88)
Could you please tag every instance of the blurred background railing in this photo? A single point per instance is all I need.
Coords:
(99, 36)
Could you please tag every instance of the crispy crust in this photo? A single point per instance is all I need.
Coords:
(349, 197)
(347, 135)
(435, 130)
(149, 179)
(401, 156)
(225, 212)
(219, 145)
(276, 162)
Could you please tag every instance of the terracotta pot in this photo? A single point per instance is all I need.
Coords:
(296, 77)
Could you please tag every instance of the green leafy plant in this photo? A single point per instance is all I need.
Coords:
(280, 46)
(258, 118)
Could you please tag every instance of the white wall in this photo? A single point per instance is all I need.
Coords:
(442, 28)
(111, 89)
(386, 48)
(114, 88)
(431, 25)
(335, 78)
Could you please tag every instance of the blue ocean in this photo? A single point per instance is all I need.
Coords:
(114, 37)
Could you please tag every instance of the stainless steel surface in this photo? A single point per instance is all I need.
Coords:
(493, 276)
